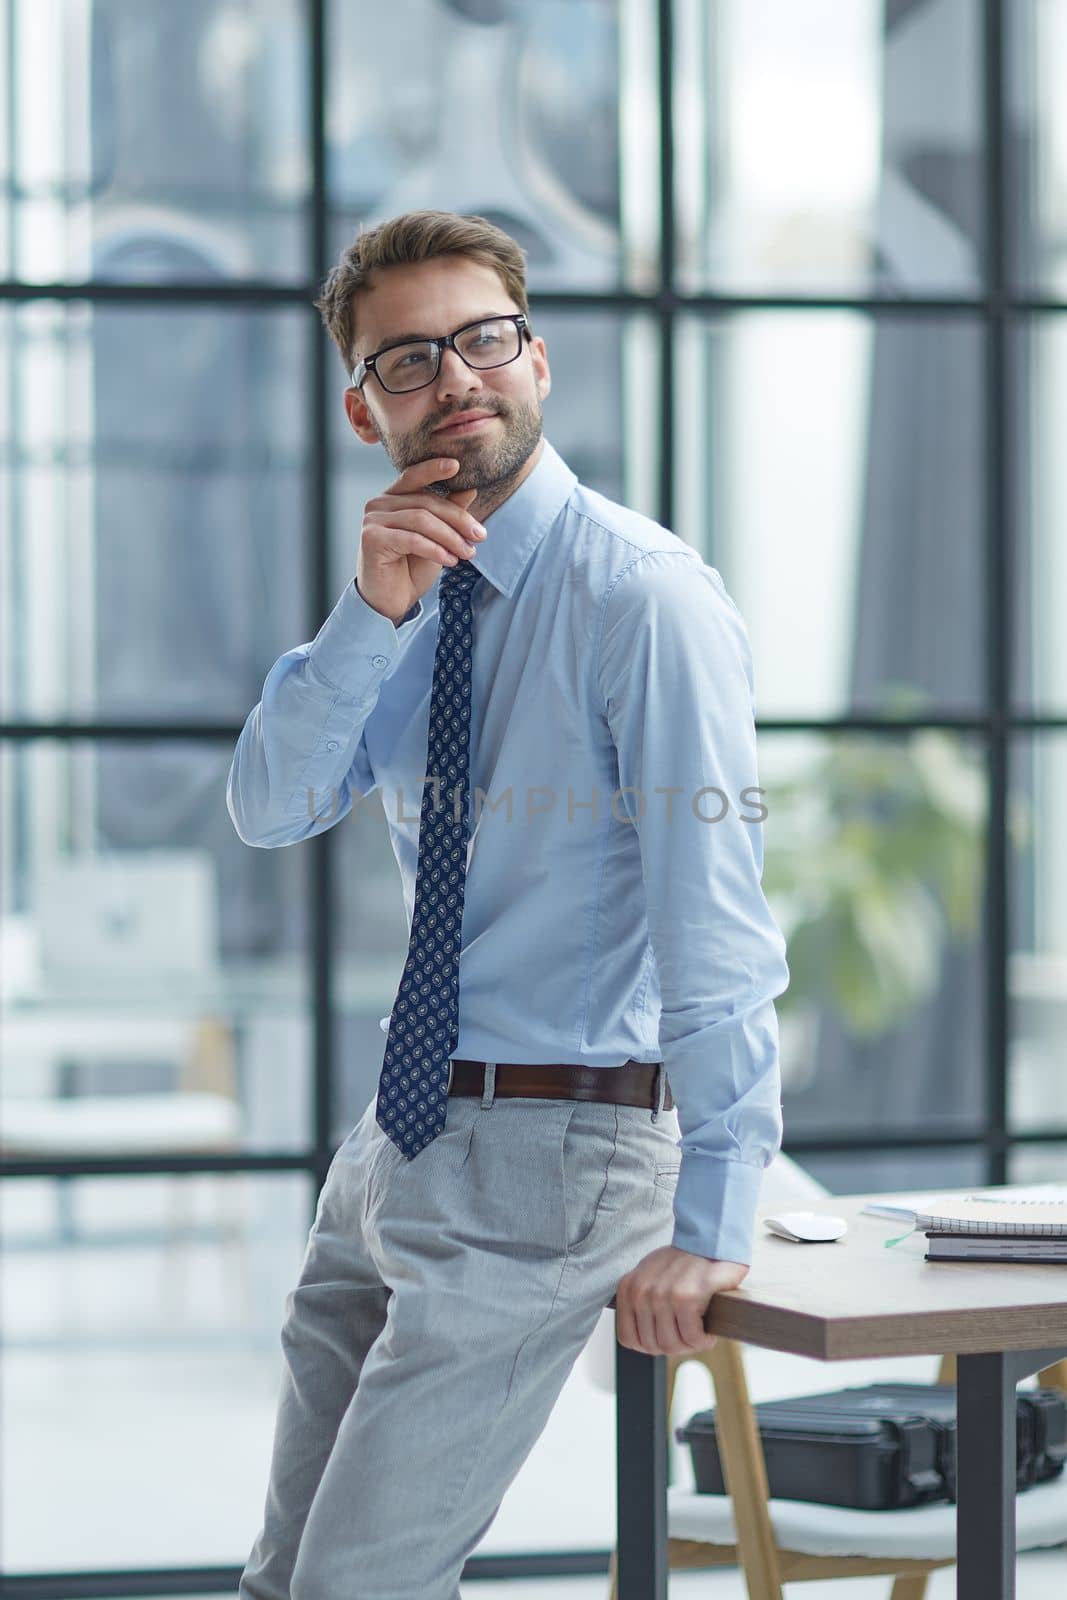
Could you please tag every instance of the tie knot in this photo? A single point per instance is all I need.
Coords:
(460, 579)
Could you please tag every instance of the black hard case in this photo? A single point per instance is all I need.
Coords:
(878, 1448)
(1041, 1428)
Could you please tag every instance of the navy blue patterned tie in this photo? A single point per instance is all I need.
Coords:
(424, 1025)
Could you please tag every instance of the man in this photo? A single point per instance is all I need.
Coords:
(567, 688)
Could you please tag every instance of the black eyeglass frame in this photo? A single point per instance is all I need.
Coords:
(447, 341)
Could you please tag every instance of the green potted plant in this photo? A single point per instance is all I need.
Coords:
(874, 860)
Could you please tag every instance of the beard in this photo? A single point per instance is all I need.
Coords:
(487, 463)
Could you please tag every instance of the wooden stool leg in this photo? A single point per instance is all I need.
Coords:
(909, 1588)
(613, 1575)
(745, 1471)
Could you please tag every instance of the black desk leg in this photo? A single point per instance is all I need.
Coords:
(985, 1471)
(641, 1473)
(986, 1468)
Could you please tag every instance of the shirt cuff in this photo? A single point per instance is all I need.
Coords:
(715, 1207)
(356, 645)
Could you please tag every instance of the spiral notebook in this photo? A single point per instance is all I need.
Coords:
(1041, 1213)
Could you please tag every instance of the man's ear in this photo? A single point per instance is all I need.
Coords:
(542, 375)
(360, 419)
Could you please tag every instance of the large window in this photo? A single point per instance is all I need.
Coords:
(801, 268)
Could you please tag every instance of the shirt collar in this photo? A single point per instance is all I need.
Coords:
(517, 526)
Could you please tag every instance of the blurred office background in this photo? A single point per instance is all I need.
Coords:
(801, 267)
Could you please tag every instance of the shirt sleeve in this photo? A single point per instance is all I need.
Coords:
(676, 676)
(302, 750)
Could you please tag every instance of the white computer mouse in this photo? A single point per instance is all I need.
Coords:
(807, 1227)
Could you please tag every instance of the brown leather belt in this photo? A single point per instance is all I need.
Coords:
(632, 1084)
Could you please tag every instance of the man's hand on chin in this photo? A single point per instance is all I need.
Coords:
(660, 1305)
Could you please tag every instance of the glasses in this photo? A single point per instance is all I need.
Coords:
(489, 342)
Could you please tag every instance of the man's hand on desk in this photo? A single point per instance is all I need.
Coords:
(660, 1305)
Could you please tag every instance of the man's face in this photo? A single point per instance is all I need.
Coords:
(429, 299)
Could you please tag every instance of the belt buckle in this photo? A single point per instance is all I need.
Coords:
(451, 1074)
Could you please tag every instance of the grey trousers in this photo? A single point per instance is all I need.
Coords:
(441, 1305)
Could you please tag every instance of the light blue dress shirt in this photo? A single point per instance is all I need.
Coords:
(613, 904)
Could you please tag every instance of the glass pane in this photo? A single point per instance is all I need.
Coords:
(1036, 40)
(1038, 961)
(510, 111)
(899, 1171)
(874, 866)
(830, 464)
(161, 143)
(1039, 374)
(141, 1365)
(371, 942)
(827, 148)
(153, 461)
(1038, 1163)
(155, 993)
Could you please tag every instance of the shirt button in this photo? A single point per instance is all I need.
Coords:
(380, 661)
(332, 745)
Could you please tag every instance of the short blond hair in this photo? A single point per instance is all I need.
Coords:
(414, 236)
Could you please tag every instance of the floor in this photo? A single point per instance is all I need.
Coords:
(1041, 1576)
(91, 1426)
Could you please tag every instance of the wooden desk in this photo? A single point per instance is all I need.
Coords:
(856, 1298)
